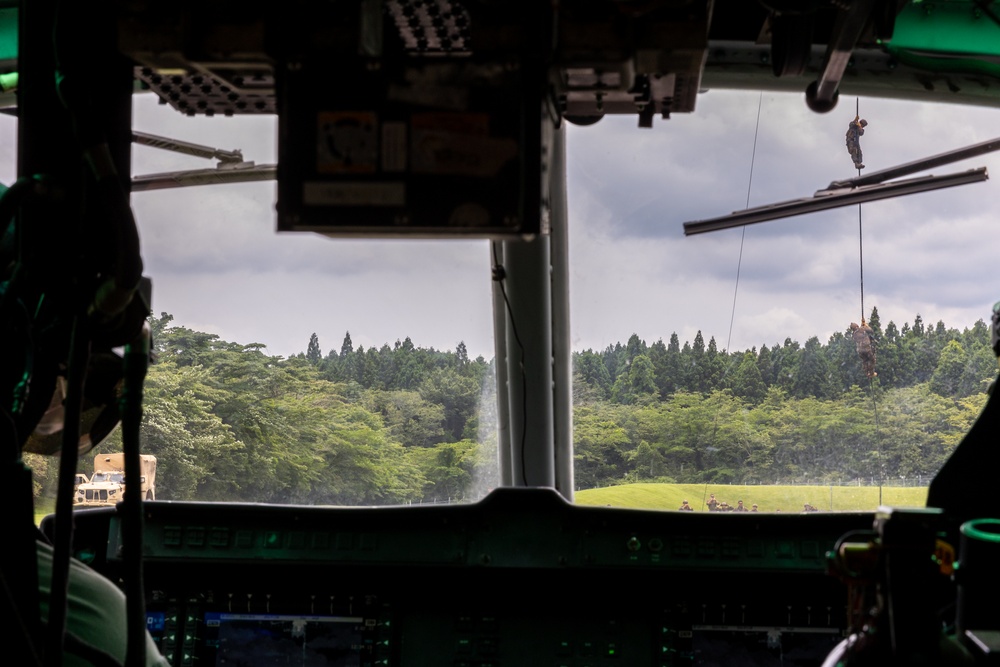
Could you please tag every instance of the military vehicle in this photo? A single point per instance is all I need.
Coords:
(107, 486)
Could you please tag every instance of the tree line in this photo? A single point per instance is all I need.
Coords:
(953, 364)
(781, 414)
(400, 423)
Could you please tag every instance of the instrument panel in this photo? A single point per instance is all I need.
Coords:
(520, 578)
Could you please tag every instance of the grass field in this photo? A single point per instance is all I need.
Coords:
(43, 506)
(768, 498)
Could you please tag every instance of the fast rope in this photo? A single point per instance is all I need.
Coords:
(861, 236)
(739, 263)
(856, 129)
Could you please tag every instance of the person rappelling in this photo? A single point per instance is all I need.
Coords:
(854, 131)
(864, 342)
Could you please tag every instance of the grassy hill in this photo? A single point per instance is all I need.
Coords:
(768, 498)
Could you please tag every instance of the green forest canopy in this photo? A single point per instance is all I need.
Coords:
(402, 424)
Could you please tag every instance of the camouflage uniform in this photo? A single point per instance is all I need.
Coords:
(864, 341)
(854, 132)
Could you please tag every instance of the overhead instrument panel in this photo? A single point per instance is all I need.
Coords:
(418, 118)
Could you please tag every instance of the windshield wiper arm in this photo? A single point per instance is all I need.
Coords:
(231, 168)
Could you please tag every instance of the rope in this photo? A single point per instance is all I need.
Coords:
(871, 380)
(878, 438)
(861, 259)
(739, 263)
(861, 241)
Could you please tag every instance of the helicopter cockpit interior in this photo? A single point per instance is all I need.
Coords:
(417, 120)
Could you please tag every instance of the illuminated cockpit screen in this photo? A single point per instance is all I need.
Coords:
(271, 639)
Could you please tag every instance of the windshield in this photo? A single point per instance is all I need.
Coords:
(830, 361)
(292, 368)
(298, 369)
(115, 477)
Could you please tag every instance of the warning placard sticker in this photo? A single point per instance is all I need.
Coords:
(347, 142)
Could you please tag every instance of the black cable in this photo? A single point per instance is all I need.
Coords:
(73, 407)
(499, 275)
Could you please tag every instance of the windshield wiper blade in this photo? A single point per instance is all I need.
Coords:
(243, 173)
(870, 187)
(827, 199)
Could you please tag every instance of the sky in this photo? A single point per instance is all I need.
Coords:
(219, 266)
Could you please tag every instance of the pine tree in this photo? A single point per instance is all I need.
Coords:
(634, 348)
(590, 368)
(461, 356)
(764, 365)
(876, 324)
(313, 353)
(699, 373)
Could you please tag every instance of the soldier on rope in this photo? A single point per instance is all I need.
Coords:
(864, 342)
(854, 132)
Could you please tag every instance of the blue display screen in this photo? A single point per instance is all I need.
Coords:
(268, 639)
(155, 621)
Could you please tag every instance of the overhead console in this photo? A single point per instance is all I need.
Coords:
(430, 118)
(435, 118)
(521, 578)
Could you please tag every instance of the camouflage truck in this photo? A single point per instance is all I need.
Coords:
(107, 485)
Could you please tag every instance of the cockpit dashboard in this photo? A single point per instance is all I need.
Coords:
(521, 577)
